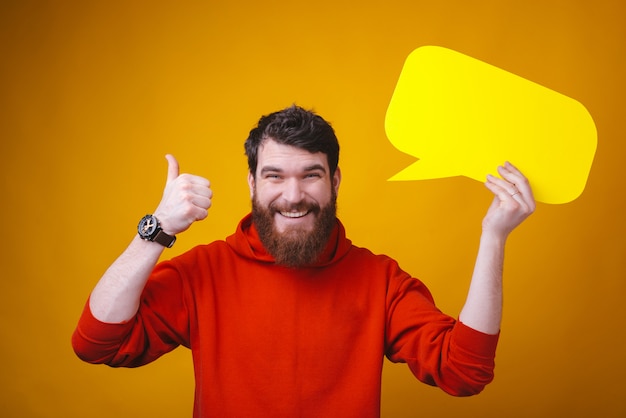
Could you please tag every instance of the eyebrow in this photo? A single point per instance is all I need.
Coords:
(273, 169)
(315, 167)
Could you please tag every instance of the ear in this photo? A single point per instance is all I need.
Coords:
(337, 179)
(251, 184)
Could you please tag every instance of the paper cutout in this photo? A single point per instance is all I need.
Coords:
(462, 117)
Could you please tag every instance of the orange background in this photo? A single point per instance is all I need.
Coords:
(93, 94)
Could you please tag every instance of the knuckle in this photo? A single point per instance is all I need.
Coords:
(185, 186)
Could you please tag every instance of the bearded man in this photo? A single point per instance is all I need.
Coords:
(286, 317)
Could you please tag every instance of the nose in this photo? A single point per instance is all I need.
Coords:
(293, 191)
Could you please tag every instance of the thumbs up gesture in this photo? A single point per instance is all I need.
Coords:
(186, 199)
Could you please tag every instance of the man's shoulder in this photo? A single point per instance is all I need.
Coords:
(368, 252)
(368, 256)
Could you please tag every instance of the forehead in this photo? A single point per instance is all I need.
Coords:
(274, 154)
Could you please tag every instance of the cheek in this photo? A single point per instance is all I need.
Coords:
(264, 194)
(323, 194)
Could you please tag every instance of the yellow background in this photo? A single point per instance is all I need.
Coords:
(93, 94)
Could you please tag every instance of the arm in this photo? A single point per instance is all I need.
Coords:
(186, 199)
(513, 202)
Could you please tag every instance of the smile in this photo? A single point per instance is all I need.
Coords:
(294, 214)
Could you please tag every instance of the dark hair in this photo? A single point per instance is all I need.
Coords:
(297, 127)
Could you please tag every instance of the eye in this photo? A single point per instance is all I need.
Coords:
(273, 176)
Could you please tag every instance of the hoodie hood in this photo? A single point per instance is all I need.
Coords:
(246, 243)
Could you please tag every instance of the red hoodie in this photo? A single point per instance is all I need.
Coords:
(271, 341)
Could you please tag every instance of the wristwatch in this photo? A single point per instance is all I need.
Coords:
(150, 229)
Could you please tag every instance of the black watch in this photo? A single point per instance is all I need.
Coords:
(150, 229)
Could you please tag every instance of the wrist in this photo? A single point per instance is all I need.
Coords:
(493, 238)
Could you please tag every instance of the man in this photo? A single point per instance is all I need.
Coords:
(286, 317)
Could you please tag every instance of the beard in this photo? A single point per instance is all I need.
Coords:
(295, 247)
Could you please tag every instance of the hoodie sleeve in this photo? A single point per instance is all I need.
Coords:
(160, 325)
(439, 350)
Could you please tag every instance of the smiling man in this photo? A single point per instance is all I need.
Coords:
(293, 187)
(286, 317)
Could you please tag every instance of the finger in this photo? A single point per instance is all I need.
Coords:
(202, 202)
(202, 214)
(172, 168)
(199, 192)
(504, 185)
(511, 174)
(497, 187)
(501, 189)
(515, 176)
(196, 180)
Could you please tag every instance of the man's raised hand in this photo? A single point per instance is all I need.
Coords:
(186, 199)
(513, 200)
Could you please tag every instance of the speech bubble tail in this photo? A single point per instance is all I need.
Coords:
(420, 170)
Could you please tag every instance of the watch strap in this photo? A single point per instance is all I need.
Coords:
(164, 239)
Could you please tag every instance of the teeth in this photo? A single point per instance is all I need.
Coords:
(293, 214)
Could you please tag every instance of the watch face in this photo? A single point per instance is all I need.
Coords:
(147, 226)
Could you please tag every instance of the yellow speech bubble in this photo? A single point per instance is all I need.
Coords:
(462, 117)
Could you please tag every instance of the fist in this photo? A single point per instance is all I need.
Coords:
(186, 199)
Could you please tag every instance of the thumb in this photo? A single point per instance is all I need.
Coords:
(172, 168)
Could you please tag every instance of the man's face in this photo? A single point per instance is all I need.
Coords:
(293, 202)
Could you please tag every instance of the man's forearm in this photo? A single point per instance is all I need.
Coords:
(115, 298)
(483, 308)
